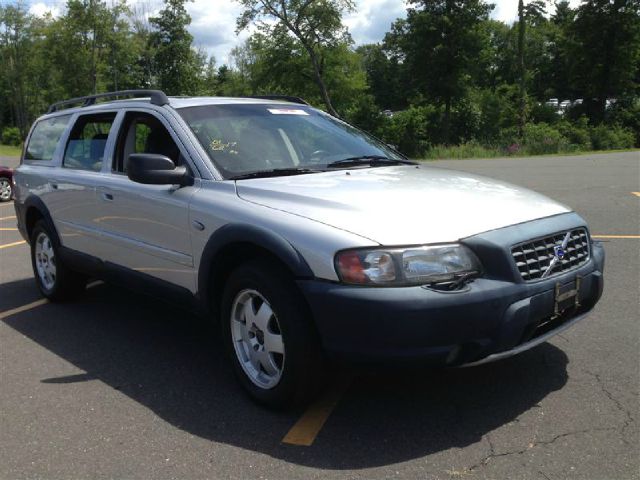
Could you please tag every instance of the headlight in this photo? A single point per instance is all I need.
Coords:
(410, 266)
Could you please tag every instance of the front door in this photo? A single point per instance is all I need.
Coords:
(146, 228)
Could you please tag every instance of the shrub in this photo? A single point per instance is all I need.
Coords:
(509, 141)
(407, 130)
(608, 137)
(470, 149)
(576, 133)
(626, 113)
(365, 114)
(543, 113)
(540, 138)
(497, 111)
(11, 136)
(465, 122)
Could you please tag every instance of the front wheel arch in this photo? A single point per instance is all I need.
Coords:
(234, 244)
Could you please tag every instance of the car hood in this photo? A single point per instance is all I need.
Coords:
(402, 205)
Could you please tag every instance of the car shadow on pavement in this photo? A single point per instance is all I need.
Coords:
(164, 359)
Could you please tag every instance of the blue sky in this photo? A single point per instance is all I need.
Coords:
(213, 21)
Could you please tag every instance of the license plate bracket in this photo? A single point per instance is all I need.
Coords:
(566, 296)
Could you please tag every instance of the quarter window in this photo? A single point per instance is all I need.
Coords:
(87, 141)
(45, 138)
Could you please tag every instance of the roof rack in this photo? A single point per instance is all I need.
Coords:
(158, 97)
(287, 98)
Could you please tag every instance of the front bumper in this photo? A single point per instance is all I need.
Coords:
(488, 320)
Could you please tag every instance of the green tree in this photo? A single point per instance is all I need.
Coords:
(177, 66)
(606, 48)
(384, 77)
(15, 49)
(316, 24)
(439, 43)
(279, 64)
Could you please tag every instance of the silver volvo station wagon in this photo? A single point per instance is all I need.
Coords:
(303, 237)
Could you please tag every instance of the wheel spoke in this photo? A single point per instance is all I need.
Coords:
(267, 363)
(254, 357)
(262, 316)
(273, 342)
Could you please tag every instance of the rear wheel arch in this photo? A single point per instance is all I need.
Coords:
(35, 210)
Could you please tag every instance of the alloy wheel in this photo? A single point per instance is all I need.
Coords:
(45, 261)
(257, 339)
(5, 190)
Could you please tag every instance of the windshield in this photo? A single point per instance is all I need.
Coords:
(243, 139)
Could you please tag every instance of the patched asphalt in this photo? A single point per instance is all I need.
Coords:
(117, 385)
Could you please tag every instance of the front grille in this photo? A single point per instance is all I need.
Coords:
(533, 257)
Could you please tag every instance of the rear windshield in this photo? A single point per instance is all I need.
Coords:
(261, 137)
(45, 138)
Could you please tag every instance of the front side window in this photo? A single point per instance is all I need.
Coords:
(247, 138)
(87, 142)
(45, 137)
(144, 133)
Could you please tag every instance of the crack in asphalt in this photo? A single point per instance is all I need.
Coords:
(544, 475)
(494, 454)
(629, 418)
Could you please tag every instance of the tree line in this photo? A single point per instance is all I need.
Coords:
(557, 79)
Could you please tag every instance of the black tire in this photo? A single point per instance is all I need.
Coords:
(65, 283)
(6, 189)
(302, 372)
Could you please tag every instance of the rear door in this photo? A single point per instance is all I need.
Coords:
(73, 203)
(146, 228)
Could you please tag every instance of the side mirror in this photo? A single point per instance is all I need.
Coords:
(154, 169)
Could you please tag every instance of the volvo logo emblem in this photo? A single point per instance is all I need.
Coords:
(559, 251)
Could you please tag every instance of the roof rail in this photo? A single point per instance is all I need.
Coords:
(287, 98)
(158, 97)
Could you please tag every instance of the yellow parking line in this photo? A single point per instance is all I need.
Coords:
(23, 308)
(37, 303)
(307, 428)
(637, 194)
(13, 217)
(14, 244)
(8, 229)
(616, 236)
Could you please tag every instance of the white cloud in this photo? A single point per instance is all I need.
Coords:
(373, 18)
(40, 9)
(507, 10)
(213, 24)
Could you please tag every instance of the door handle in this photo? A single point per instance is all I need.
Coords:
(107, 197)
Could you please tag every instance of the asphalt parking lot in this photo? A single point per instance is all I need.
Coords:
(116, 385)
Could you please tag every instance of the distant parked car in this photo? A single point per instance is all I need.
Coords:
(552, 102)
(6, 184)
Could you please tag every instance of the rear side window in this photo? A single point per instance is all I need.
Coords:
(45, 137)
(87, 142)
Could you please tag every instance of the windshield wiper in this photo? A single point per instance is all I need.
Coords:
(371, 160)
(275, 172)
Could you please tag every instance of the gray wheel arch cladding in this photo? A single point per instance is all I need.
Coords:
(261, 238)
(36, 203)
